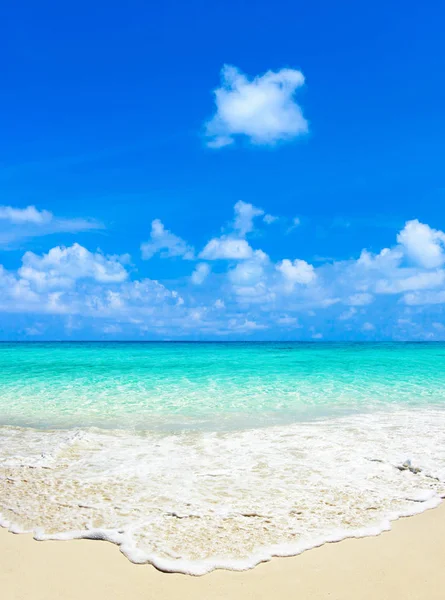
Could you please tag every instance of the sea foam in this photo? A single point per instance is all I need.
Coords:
(196, 501)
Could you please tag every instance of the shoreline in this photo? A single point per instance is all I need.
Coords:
(405, 562)
(200, 568)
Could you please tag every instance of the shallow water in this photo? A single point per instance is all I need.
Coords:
(198, 456)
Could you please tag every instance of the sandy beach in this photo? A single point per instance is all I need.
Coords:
(407, 562)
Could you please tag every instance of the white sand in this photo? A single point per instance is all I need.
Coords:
(406, 563)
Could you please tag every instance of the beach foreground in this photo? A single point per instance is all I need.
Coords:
(407, 562)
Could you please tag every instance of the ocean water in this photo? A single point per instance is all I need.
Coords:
(196, 456)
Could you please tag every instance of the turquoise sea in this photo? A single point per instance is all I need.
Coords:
(195, 456)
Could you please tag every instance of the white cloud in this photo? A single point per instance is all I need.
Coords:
(234, 246)
(296, 272)
(348, 314)
(248, 295)
(112, 328)
(74, 282)
(387, 259)
(257, 293)
(418, 281)
(262, 109)
(360, 299)
(424, 298)
(250, 271)
(226, 248)
(30, 214)
(36, 329)
(287, 321)
(296, 222)
(244, 216)
(200, 273)
(62, 266)
(422, 244)
(23, 223)
(244, 325)
(167, 243)
(269, 219)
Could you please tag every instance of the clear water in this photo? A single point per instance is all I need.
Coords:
(211, 386)
(194, 456)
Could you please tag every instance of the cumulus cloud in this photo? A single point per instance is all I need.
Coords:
(411, 265)
(386, 260)
(296, 272)
(422, 244)
(18, 224)
(262, 109)
(226, 249)
(166, 243)
(247, 294)
(244, 216)
(233, 246)
(93, 294)
(62, 266)
(249, 272)
(200, 273)
(269, 219)
(408, 282)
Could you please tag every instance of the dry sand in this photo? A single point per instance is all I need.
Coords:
(406, 563)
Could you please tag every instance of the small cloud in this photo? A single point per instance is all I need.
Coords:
(296, 222)
(112, 329)
(317, 336)
(245, 325)
(72, 324)
(287, 321)
(200, 273)
(269, 219)
(263, 109)
(226, 248)
(244, 216)
(360, 299)
(166, 243)
(404, 322)
(348, 314)
(30, 214)
(36, 329)
(368, 327)
(219, 303)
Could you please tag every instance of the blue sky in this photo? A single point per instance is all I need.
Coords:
(222, 171)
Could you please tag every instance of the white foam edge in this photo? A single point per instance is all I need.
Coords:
(202, 567)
